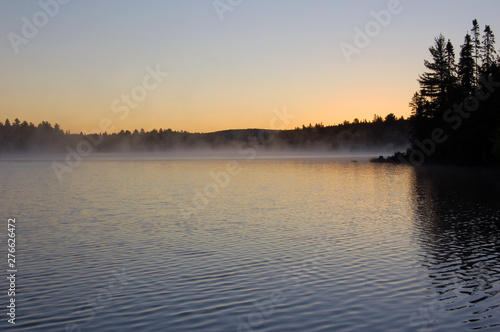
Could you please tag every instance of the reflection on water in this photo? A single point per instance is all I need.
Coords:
(285, 245)
(457, 222)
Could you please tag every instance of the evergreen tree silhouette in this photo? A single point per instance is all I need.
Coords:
(466, 68)
(489, 52)
(434, 84)
(462, 100)
(476, 44)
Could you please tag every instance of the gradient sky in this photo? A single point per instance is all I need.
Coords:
(264, 56)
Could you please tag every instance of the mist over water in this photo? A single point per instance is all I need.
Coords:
(243, 153)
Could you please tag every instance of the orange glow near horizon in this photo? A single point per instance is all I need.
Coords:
(327, 112)
(196, 106)
(230, 74)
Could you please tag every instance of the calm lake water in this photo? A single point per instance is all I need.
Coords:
(304, 244)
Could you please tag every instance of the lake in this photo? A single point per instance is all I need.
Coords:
(253, 244)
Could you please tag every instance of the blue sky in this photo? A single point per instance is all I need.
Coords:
(232, 73)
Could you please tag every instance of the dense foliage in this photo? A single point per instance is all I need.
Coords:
(456, 114)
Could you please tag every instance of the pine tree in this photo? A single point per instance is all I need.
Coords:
(466, 67)
(421, 118)
(434, 84)
(489, 51)
(417, 105)
(451, 73)
(476, 43)
(450, 58)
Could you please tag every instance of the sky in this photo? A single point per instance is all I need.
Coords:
(209, 65)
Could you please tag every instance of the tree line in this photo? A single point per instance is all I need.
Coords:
(22, 136)
(386, 134)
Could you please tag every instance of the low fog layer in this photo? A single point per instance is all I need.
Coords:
(206, 154)
(372, 138)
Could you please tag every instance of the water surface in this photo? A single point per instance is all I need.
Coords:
(289, 244)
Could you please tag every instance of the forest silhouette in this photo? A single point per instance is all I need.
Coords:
(380, 134)
(456, 114)
(455, 119)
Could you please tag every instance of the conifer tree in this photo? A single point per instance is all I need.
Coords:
(476, 44)
(451, 73)
(434, 83)
(489, 51)
(420, 117)
(466, 66)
